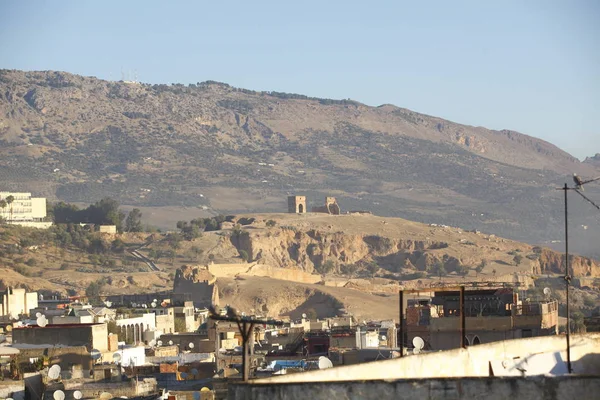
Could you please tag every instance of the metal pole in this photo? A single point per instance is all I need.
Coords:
(567, 281)
(401, 340)
(462, 317)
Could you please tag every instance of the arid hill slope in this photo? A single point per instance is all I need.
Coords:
(80, 138)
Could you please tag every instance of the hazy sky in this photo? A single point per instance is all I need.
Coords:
(531, 66)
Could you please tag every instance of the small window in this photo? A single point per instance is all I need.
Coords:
(526, 333)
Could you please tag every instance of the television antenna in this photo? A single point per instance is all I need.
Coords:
(325, 363)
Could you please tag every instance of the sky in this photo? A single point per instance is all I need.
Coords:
(531, 66)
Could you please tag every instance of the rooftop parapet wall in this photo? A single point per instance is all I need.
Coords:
(474, 361)
(490, 388)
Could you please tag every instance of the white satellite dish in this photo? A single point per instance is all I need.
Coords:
(159, 343)
(77, 394)
(384, 337)
(59, 395)
(335, 324)
(222, 350)
(191, 345)
(418, 343)
(170, 343)
(153, 305)
(116, 357)
(54, 371)
(152, 343)
(105, 396)
(155, 301)
(41, 321)
(38, 314)
(108, 303)
(95, 354)
(547, 291)
(304, 315)
(325, 363)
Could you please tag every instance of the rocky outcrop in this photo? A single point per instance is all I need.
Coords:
(199, 283)
(552, 262)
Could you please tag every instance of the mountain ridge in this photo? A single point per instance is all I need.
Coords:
(80, 138)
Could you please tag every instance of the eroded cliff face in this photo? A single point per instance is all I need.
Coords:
(550, 262)
(308, 250)
(290, 247)
(199, 283)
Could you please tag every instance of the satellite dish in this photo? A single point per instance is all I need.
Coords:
(416, 351)
(170, 343)
(77, 394)
(194, 371)
(547, 291)
(191, 345)
(59, 395)
(222, 350)
(238, 349)
(116, 357)
(418, 343)
(95, 354)
(153, 305)
(42, 321)
(325, 363)
(335, 324)
(183, 375)
(384, 337)
(155, 301)
(205, 389)
(108, 303)
(159, 343)
(54, 371)
(304, 315)
(38, 314)
(152, 343)
(105, 396)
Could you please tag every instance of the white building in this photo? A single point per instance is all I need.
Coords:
(133, 329)
(24, 210)
(16, 302)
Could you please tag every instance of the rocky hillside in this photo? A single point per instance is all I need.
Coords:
(392, 248)
(211, 145)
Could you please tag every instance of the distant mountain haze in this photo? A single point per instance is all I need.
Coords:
(232, 150)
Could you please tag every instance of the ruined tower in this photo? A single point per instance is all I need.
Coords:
(297, 204)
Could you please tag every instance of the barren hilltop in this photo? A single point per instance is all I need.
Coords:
(222, 149)
(286, 264)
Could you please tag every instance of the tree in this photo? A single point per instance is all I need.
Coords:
(196, 252)
(372, 268)
(311, 314)
(480, 267)
(349, 269)
(517, 259)
(438, 269)
(3, 205)
(133, 223)
(463, 270)
(9, 201)
(325, 268)
(93, 291)
(494, 272)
